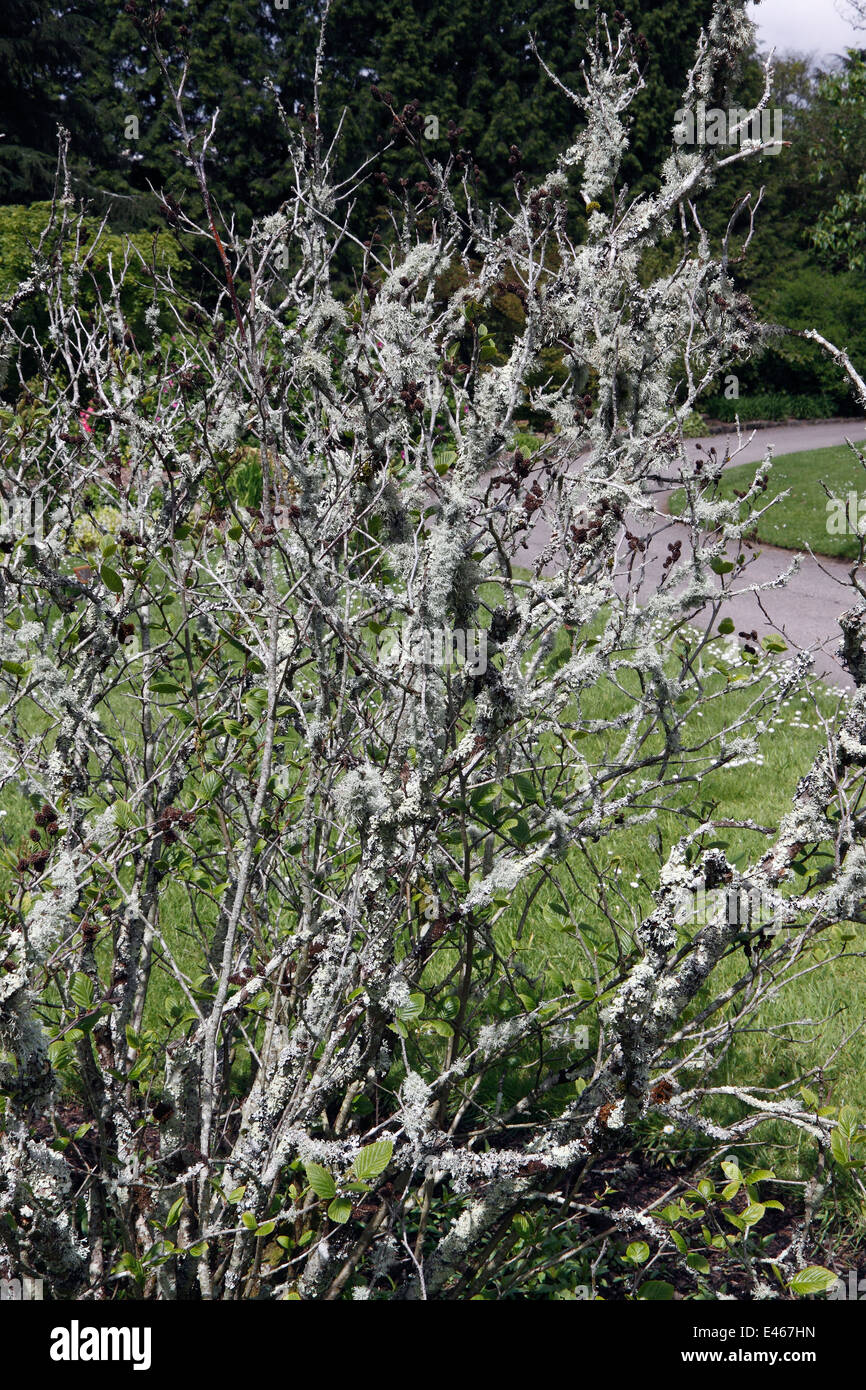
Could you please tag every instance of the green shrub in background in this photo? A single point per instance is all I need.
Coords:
(20, 230)
(773, 405)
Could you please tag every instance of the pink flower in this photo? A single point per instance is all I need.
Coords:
(84, 417)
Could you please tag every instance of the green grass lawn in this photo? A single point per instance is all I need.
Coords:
(827, 1003)
(806, 517)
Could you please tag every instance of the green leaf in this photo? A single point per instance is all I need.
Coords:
(656, 1290)
(526, 788)
(487, 792)
(443, 459)
(174, 1212)
(848, 1121)
(753, 1214)
(720, 566)
(774, 644)
(249, 1220)
(812, 1279)
(413, 1009)
(372, 1160)
(517, 828)
(123, 817)
(81, 990)
(638, 1252)
(840, 1148)
(438, 1026)
(340, 1210)
(320, 1181)
(726, 626)
(255, 701)
(266, 1228)
(699, 1262)
(111, 579)
(210, 784)
(679, 1242)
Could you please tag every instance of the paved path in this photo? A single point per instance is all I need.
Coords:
(807, 608)
(789, 439)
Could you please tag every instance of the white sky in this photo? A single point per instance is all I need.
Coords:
(804, 26)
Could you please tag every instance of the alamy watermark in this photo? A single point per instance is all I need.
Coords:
(22, 515)
(846, 516)
(77, 1343)
(442, 648)
(24, 1290)
(735, 126)
(738, 907)
(851, 1289)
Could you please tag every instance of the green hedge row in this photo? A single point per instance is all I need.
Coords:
(772, 405)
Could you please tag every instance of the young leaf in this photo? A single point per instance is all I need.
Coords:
(372, 1160)
(320, 1181)
(81, 990)
(656, 1290)
(111, 580)
(340, 1210)
(813, 1279)
(174, 1212)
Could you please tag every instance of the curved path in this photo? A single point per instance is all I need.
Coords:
(806, 610)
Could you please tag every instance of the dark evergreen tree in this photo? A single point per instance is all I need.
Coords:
(42, 60)
(468, 62)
